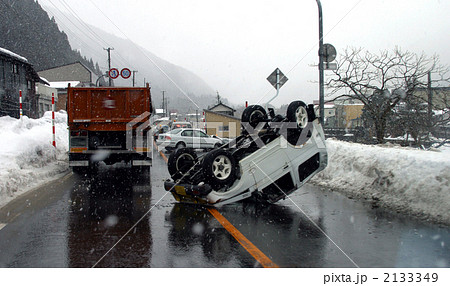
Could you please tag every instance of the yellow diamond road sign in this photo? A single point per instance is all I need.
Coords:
(282, 79)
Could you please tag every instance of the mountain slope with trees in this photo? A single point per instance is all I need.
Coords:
(27, 30)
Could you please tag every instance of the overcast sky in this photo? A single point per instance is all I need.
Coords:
(234, 45)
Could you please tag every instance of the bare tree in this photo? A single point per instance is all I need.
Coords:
(381, 81)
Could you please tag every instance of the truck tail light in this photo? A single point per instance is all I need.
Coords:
(78, 133)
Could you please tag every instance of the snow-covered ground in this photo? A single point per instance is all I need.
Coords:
(406, 179)
(27, 156)
(403, 179)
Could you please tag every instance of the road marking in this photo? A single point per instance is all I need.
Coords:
(250, 247)
(2, 225)
(247, 244)
(163, 156)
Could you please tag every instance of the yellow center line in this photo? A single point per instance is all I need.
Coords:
(247, 244)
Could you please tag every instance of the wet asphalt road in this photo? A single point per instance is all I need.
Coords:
(75, 222)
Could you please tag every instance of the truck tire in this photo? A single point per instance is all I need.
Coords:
(219, 167)
(181, 162)
(79, 170)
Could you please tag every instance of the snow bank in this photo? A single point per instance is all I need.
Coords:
(27, 157)
(404, 179)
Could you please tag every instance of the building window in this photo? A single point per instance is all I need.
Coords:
(223, 128)
(2, 74)
(15, 68)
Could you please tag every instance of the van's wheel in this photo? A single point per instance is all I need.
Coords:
(254, 114)
(180, 162)
(296, 112)
(219, 168)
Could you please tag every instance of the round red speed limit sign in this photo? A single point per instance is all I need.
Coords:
(113, 73)
(125, 73)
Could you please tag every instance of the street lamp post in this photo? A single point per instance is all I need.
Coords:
(321, 74)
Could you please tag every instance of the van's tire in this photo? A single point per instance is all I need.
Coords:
(297, 112)
(180, 162)
(219, 167)
(254, 114)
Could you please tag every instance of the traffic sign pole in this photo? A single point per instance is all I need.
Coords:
(277, 79)
(321, 73)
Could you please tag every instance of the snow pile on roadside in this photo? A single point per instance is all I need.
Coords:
(404, 179)
(27, 157)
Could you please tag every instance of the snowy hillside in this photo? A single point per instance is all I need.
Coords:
(405, 179)
(27, 157)
(402, 179)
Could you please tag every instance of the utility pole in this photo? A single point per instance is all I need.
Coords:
(321, 74)
(134, 72)
(109, 63)
(164, 110)
(218, 97)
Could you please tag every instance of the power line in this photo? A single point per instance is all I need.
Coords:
(145, 55)
(98, 40)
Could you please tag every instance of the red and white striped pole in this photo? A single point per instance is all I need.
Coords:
(204, 121)
(20, 104)
(53, 119)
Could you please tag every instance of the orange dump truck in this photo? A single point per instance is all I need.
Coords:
(110, 125)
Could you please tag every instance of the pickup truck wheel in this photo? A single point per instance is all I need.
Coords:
(181, 162)
(296, 112)
(254, 114)
(220, 168)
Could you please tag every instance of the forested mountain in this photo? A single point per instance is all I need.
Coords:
(27, 30)
(32, 31)
(185, 92)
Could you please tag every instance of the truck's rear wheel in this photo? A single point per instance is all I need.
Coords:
(79, 170)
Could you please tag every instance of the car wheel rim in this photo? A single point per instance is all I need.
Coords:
(301, 116)
(221, 167)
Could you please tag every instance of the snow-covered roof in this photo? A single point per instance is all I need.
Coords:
(63, 84)
(13, 55)
(45, 81)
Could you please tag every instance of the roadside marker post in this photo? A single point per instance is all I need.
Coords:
(53, 119)
(20, 104)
